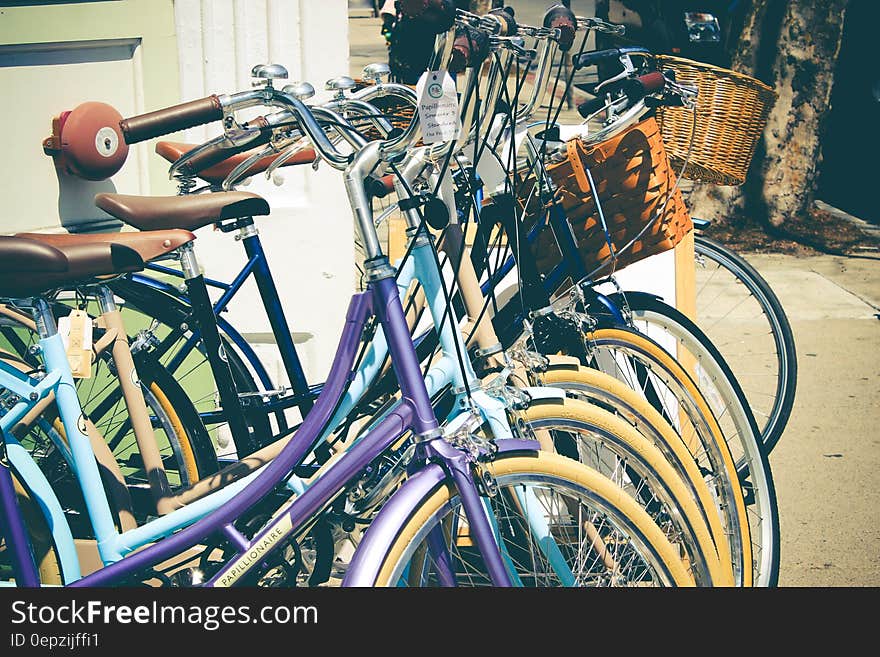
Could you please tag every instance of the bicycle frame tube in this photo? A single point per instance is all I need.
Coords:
(258, 266)
(13, 530)
(225, 327)
(274, 311)
(382, 530)
(84, 460)
(446, 370)
(414, 411)
(204, 318)
(268, 477)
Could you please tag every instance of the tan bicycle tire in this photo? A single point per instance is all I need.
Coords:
(633, 340)
(551, 465)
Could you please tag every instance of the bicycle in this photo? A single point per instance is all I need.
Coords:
(412, 410)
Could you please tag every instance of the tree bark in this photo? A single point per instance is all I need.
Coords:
(793, 47)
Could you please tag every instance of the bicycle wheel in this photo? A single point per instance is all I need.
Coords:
(609, 445)
(739, 311)
(603, 537)
(618, 452)
(649, 369)
(163, 323)
(730, 407)
(608, 393)
(183, 442)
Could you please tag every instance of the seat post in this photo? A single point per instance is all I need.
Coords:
(134, 402)
(45, 320)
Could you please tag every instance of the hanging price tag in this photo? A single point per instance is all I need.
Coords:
(76, 333)
(438, 107)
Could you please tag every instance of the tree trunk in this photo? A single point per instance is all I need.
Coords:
(793, 47)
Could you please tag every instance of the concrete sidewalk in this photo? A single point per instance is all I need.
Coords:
(826, 464)
(825, 467)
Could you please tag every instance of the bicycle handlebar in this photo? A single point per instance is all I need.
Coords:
(506, 21)
(171, 119)
(635, 89)
(591, 58)
(217, 152)
(597, 24)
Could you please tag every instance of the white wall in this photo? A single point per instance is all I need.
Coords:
(308, 236)
(54, 56)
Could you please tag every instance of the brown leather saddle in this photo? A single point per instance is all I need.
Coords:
(148, 244)
(29, 267)
(183, 212)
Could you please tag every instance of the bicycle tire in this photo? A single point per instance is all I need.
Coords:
(172, 313)
(605, 391)
(635, 461)
(761, 524)
(199, 455)
(773, 426)
(191, 449)
(637, 531)
(738, 423)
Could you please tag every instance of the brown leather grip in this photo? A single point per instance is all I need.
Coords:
(504, 15)
(217, 153)
(469, 49)
(171, 119)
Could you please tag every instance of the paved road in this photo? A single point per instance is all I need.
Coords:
(827, 462)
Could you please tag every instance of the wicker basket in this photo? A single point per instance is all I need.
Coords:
(634, 182)
(732, 110)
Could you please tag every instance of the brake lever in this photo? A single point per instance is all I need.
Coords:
(242, 168)
(539, 32)
(628, 70)
(590, 23)
(229, 139)
(676, 95)
(517, 48)
(467, 19)
(290, 151)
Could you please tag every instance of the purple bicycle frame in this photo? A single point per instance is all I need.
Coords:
(414, 412)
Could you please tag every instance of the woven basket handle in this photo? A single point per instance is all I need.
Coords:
(572, 148)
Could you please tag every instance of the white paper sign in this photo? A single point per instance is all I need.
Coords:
(438, 107)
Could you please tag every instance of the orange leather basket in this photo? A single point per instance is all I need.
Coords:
(633, 184)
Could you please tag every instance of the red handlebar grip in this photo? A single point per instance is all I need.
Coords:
(651, 82)
(461, 53)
